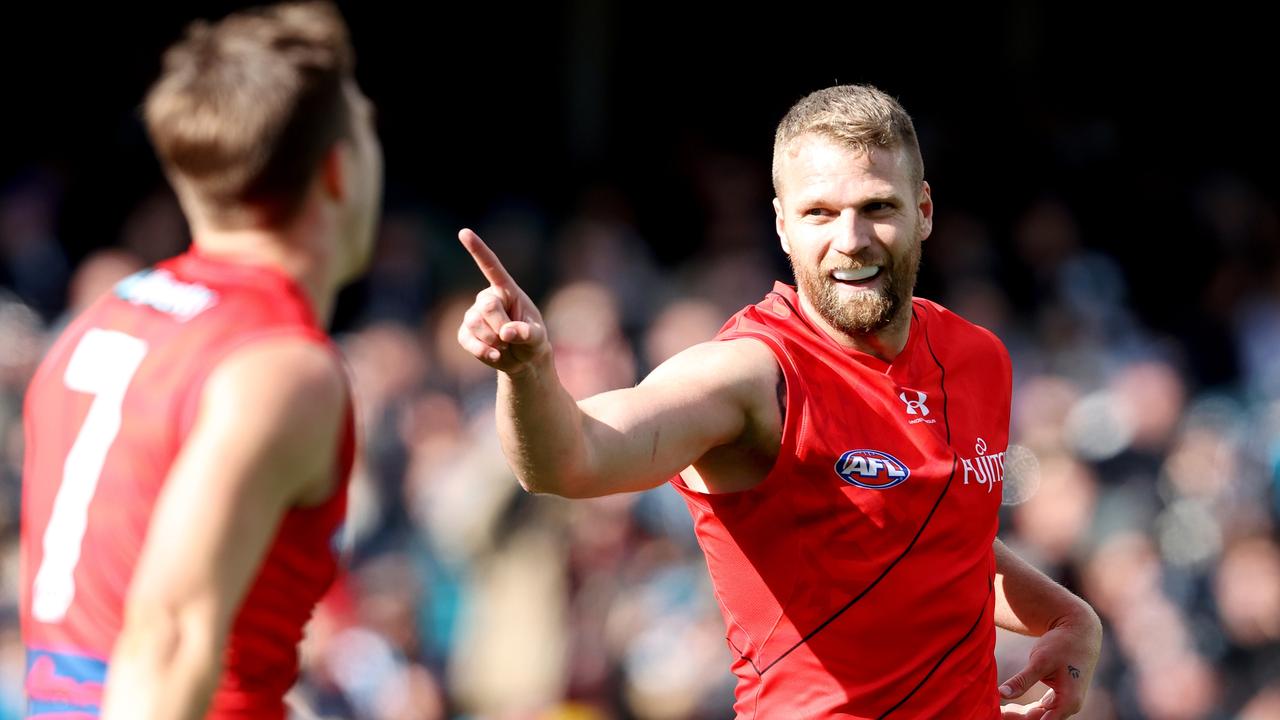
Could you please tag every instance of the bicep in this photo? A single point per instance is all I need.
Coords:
(704, 397)
(256, 449)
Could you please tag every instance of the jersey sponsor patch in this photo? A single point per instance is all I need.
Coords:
(63, 684)
(158, 289)
(871, 469)
(983, 469)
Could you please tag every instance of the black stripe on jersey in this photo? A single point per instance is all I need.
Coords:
(991, 582)
(976, 621)
(781, 390)
(928, 518)
(942, 378)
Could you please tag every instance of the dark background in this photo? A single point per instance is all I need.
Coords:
(1122, 114)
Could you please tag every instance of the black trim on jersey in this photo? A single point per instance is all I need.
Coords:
(781, 390)
(991, 583)
(928, 518)
(977, 621)
(942, 378)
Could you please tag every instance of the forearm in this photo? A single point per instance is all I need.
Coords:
(161, 671)
(625, 440)
(541, 429)
(1030, 603)
(1069, 637)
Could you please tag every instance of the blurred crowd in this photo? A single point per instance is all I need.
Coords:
(1137, 481)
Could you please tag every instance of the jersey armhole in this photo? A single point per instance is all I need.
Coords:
(190, 404)
(793, 421)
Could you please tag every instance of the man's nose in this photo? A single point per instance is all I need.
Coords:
(853, 233)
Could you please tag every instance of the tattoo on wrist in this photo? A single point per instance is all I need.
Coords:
(1075, 672)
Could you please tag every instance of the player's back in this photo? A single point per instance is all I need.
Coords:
(105, 416)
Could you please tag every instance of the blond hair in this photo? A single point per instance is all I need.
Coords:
(245, 109)
(859, 117)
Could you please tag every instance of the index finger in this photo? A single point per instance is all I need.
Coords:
(488, 263)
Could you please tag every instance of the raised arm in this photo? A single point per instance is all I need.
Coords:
(710, 395)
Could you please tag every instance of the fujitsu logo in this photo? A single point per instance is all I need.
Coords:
(984, 469)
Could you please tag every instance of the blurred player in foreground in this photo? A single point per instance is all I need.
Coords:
(840, 446)
(190, 435)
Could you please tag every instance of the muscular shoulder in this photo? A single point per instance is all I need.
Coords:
(958, 336)
(743, 365)
(296, 367)
(740, 373)
(285, 396)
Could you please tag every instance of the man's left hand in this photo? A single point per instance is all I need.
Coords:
(1063, 658)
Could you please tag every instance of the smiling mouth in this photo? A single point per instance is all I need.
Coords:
(856, 276)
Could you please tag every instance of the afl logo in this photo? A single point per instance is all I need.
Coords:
(871, 469)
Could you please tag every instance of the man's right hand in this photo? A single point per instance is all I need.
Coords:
(503, 328)
(625, 440)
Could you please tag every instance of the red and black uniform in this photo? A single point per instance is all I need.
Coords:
(856, 580)
(106, 414)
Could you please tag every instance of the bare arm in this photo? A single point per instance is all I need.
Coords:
(1029, 603)
(632, 439)
(262, 442)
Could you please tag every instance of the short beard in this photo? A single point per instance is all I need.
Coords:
(871, 310)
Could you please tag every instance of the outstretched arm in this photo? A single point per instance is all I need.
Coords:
(632, 439)
(1069, 632)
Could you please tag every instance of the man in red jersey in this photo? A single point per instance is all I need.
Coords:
(190, 435)
(840, 446)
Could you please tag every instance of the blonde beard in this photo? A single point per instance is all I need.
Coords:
(871, 310)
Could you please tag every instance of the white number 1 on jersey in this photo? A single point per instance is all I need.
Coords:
(102, 365)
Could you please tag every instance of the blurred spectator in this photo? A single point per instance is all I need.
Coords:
(1263, 706)
(680, 325)
(12, 655)
(97, 274)
(32, 261)
(585, 325)
(1154, 493)
(156, 229)
(398, 282)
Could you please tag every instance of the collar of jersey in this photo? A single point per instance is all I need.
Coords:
(792, 298)
(228, 269)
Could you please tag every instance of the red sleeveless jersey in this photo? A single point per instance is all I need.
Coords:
(106, 414)
(856, 580)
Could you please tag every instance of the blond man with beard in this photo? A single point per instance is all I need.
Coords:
(839, 445)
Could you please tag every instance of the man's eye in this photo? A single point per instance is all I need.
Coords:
(816, 212)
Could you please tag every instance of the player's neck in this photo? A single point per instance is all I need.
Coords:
(295, 251)
(885, 344)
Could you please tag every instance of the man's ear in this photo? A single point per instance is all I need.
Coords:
(780, 226)
(925, 208)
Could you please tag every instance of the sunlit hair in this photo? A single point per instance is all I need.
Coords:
(245, 109)
(859, 117)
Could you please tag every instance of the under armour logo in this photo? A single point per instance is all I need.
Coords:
(917, 406)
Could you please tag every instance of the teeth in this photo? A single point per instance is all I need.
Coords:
(862, 273)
